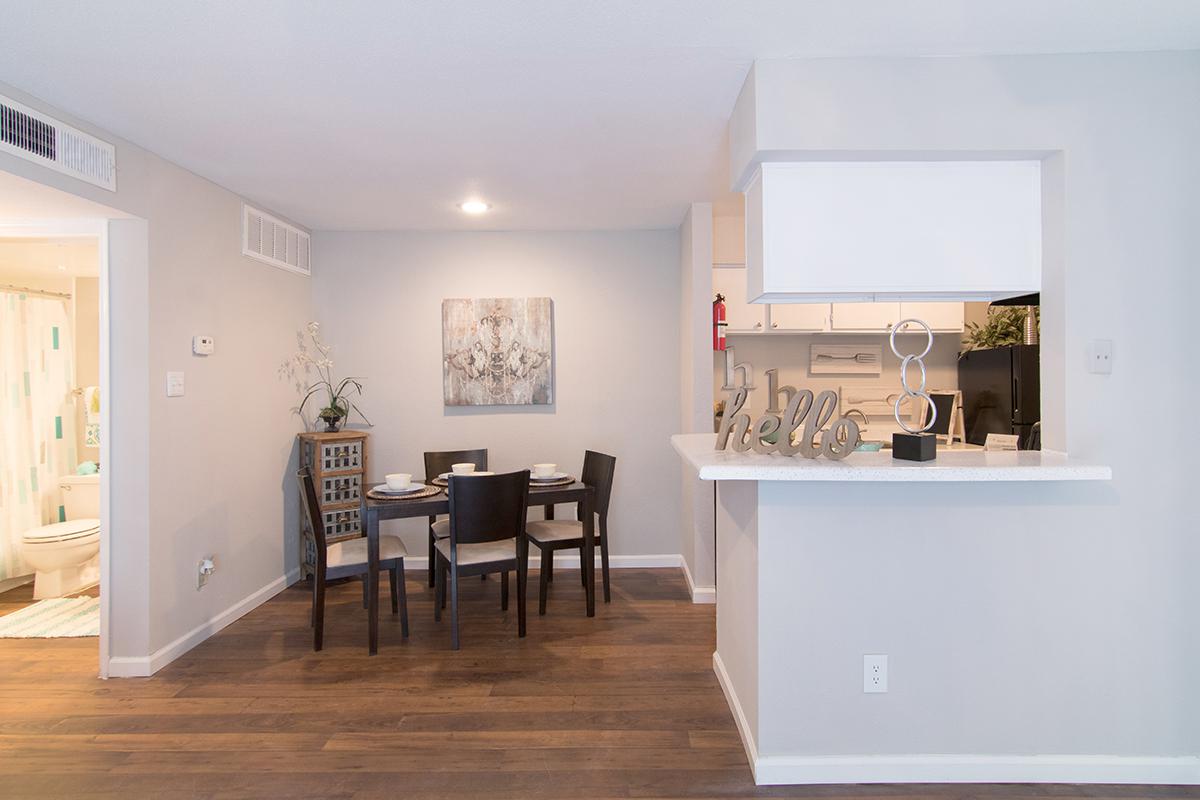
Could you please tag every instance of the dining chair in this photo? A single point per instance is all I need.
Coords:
(487, 534)
(551, 535)
(437, 463)
(348, 559)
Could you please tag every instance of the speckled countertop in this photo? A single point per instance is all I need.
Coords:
(950, 465)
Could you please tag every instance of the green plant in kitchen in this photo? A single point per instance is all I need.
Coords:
(1005, 326)
(334, 393)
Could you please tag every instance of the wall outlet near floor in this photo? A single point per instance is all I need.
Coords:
(875, 679)
(204, 571)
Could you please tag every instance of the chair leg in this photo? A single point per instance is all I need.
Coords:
(312, 606)
(548, 570)
(544, 578)
(318, 613)
(453, 606)
(504, 590)
(604, 563)
(366, 593)
(432, 557)
(439, 594)
(582, 569)
(522, 571)
(403, 601)
(394, 580)
(483, 577)
(444, 567)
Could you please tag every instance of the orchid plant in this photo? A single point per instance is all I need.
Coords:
(313, 356)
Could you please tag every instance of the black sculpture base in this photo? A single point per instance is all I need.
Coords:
(914, 446)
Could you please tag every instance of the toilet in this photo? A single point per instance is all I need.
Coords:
(66, 555)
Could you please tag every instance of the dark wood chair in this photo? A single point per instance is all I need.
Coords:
(348, 559)
(564, 534)
(435, 464)
(487, 534)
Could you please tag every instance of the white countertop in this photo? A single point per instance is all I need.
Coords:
(950, 465)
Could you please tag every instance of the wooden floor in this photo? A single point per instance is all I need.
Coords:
(622, 705)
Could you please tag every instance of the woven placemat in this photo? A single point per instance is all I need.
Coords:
(428, 491)
(567, 481)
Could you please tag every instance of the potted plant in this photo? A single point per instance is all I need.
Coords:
(1005, 325)
(334, 393)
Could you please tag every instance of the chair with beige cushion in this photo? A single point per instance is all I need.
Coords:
(562, 534)
(437, 463)
(348, 559)
(487, 534)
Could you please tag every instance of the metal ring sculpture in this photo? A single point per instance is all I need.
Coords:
(908, 390)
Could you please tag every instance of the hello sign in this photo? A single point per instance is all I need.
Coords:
(803, 413)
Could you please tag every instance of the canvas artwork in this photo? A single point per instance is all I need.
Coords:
(497, 351)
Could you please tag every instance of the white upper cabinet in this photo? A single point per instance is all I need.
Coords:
(807, 317)
(940, 317)
(893, 230)
(864, 316)
(739, 315)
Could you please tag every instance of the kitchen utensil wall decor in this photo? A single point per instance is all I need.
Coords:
(773, 433)
(497, 351)
(845, 359)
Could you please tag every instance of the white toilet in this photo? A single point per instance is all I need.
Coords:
(66, 555)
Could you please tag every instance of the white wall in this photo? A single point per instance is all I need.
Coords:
(616, 357)
(208, 473)
(696, 508)
(1035, 619)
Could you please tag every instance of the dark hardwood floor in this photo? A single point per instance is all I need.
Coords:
(622, 705)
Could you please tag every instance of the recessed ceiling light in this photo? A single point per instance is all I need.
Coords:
(474, 206)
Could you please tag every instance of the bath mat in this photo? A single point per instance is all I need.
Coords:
(53, 619)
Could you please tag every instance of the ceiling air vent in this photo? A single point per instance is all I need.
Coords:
(44, 140)
(274, 242)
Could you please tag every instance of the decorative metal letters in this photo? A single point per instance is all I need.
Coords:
(771, 433)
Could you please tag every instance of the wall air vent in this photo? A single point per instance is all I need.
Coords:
(274, 242)
(44, 140)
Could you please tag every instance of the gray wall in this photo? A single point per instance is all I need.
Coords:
(207, 473)
(616, 357)
(1043, 618)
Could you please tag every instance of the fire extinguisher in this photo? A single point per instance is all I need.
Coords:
(719, 322)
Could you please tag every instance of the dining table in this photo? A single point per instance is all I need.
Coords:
(374, 511)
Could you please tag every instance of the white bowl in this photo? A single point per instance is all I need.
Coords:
(544, 470)
(398, 481)
(462, 469)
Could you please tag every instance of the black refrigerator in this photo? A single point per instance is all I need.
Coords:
(1001, 392)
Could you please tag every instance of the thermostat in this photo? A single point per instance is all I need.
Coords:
(202, 345)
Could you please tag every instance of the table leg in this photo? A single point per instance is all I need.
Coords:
(373, 581)
(548, 566)
(589, 554)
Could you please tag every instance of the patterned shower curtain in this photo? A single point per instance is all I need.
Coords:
(37, 417)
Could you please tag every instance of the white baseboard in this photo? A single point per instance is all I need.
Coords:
(700, 594)
(775, 770)
(921, 768)
(739, 716)
(569, 560)
(144, 666)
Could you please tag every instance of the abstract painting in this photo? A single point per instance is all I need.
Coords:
(498, 351)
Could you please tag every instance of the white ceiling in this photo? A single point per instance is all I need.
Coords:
(565, 114)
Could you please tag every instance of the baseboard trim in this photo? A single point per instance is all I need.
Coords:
(700, 594)
(568, 560)
(144, 666)
(779, 770)
(739, 716)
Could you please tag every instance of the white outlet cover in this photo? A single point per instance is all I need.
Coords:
(875, 674)
(1100, 356)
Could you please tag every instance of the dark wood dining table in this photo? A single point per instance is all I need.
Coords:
(375, 511)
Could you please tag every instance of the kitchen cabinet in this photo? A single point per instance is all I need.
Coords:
(941, 317)
(892, 230)
(802, 317)
(742, 317)
(864, 316)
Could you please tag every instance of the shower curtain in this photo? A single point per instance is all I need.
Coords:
(37, 417)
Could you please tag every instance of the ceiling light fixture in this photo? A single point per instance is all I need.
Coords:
(474, 206)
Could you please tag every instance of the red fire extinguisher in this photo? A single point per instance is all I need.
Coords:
(719, 322)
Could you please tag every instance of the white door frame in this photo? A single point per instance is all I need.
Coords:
(92, 228)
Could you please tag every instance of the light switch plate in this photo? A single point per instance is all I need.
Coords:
(1100, 356)
(174, 384)
(203, 345)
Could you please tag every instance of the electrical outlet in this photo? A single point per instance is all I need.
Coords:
(204, 571)
(1100, 356)
(875, 669)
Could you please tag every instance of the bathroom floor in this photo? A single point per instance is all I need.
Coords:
(21, 596)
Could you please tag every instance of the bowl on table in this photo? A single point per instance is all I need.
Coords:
(398, 481)
(544, 470)
(462, 469)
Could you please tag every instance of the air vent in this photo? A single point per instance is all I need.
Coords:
(274, 242)
(44, 140)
